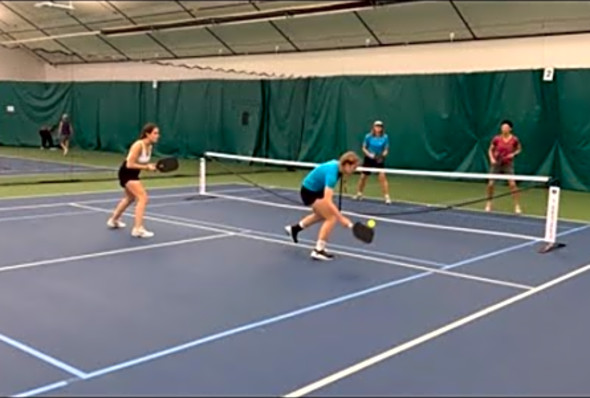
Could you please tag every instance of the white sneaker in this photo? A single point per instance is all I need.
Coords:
(488, 206)
(387, 200)
(141, 233)
(115, 224)
(358, 196)
(517, 209)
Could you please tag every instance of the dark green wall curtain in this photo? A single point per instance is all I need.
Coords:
(435, 122)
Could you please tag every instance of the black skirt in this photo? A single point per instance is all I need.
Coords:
(126, 174)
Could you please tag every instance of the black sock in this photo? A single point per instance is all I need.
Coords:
(296, 228)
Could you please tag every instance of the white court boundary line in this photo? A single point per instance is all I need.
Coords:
(108, 200)
(42, 216)
(274, 235)
(59, 260)
(216, 184)
(360, 366)
(247, 233)
(389, 220)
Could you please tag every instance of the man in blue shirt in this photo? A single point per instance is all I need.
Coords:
(375, 148)
(317, 191)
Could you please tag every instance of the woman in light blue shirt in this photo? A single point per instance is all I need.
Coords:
(375, 148)
(317, 191)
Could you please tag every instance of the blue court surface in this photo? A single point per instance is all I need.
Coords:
(15, 166)
(221, 302)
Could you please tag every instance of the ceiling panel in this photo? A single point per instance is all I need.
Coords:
(48, 45)
(108, 24)
(191, 42)
(88, 47)
(136, 9)
(138, 46)
(274, 4)
(414, 23)
(505, 18)
(40, 17)
(10, 22)
(206, 9)
(253, 38)
(168, 17)
(94, 11)
(327, 31)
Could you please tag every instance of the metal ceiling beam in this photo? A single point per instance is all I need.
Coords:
(105, 41)
(463, 19)
(223, 43)
(18, 14)
(248, 17)
(148, 34)
(366, 25)
(279, 31)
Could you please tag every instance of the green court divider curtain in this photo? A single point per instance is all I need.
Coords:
(435, 122)
(572, 110)
(35, 104)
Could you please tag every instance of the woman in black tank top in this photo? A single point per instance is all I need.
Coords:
(138, 159)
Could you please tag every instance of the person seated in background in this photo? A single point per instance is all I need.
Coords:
(502, 151)
(65, 131)
(46, 138)
(375, 148)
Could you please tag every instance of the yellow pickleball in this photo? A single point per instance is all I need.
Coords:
(371, 223)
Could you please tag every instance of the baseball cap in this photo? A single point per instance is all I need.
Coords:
(377, 123)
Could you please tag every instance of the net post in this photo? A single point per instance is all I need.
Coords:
(551, 220)
(202, 175)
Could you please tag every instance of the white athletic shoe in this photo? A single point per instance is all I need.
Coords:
(141, 233)
(115, 224)
(358, 196)
(517, 209)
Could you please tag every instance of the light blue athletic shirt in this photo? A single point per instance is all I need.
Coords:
(375, 144)
(324, 175)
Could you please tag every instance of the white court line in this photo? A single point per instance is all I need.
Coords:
(388, 220)
(49, 215)
(194, 188)
(248, 233)
(108, 200)
(217, 184)
(60, 260)
(61, 162)
(360, 366)
(273, 235)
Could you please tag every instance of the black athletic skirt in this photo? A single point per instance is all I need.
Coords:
(372, 164)
(309, 197)
(126, 174)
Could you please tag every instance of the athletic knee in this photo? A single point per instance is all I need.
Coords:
(143, 199)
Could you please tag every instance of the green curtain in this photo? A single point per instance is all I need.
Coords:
(435, 122)
(35, 104)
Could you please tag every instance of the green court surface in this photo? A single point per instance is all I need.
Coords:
(405, 189)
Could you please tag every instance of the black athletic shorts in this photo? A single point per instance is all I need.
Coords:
(372, 163)
(126, 174)
(309, 197)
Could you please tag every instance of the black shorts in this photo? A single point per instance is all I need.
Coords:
(372, 163)
(126, 174)
(309, 197)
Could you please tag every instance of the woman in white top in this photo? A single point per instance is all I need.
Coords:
(137, 160)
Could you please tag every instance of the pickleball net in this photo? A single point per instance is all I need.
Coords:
(451, 201)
